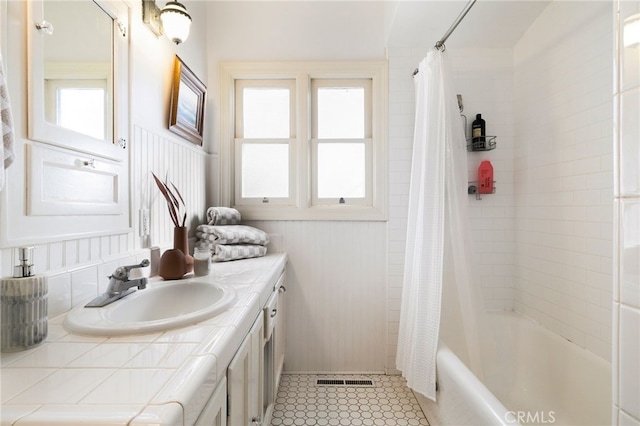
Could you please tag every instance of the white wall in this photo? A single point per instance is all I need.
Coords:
(337, 270)
(626, 290)
(563, 172)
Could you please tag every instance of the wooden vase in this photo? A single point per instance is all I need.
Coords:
(181, 242)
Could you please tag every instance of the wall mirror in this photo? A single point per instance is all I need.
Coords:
(78, 75)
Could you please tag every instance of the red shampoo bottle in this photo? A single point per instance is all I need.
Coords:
(485, 178)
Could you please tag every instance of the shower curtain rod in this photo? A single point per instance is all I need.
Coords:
(440, 43)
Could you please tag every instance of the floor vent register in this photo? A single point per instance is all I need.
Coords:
(344, 382)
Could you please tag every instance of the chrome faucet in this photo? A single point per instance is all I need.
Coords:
(120, 285)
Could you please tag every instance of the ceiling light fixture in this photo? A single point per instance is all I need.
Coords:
(173, 20)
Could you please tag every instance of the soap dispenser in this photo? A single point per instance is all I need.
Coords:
(23, 301)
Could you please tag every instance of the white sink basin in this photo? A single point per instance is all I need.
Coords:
(164, 306)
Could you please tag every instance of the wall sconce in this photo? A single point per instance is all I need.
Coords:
(631, 31)
(173, 20)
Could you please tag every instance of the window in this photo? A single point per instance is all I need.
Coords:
(304, 141)
(264, 141)
(341, 141)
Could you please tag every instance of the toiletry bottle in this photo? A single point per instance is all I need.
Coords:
(23, 301)
(478, 133)
(485, 178)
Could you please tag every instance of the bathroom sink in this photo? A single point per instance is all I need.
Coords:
(160, 307)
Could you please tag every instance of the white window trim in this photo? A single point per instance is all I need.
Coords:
(303, 72)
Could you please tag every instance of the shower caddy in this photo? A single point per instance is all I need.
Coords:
(487, 144)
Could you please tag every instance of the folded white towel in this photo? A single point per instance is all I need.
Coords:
(6, 122)
(225, 253)
(231, 234)
(223, 216)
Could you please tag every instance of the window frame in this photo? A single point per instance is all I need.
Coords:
(367, 140)
(239, 142)
(302, 205)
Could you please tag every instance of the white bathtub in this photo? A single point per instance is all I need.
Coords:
(534, 378)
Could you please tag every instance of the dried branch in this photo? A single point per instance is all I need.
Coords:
(173, 205)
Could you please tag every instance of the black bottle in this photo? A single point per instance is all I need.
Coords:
(478, 132)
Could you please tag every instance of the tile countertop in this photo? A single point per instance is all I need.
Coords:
(159, 378)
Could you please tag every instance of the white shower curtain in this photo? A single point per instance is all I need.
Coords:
(438, 212)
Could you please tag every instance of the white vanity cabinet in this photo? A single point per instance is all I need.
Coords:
(245, 379)
(246, 395)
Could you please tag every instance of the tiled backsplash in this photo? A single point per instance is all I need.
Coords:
(75, 283)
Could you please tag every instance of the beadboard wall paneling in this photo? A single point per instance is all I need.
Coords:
(181, 164)
(336, 294)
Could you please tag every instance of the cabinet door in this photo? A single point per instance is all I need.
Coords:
(215, 411)
(244, 376)
(238, 385)
(256, 371)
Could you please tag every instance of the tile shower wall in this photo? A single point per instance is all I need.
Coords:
(78, 268)
(484, 79)
(563, 172)
(626, 296)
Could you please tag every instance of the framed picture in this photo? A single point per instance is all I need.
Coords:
(186, 117)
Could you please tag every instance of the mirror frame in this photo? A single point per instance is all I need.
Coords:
(43, 131)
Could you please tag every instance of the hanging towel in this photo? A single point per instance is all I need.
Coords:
(6, 149)
(223, 216)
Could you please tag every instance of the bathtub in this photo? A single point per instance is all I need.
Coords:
(534, 377)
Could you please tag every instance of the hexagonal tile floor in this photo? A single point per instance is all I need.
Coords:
(388, 402)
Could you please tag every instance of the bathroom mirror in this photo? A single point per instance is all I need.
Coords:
(78, 75)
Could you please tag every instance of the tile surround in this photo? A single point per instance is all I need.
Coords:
(626, 326)
(563, 174)
(629, 380)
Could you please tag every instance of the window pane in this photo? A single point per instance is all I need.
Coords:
(82, 110)
(265, 170)
(266, 112)
(341, 170)
(341, 112)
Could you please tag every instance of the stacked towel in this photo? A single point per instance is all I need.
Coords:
(6, 123)
(230, 241)
(223, 216)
